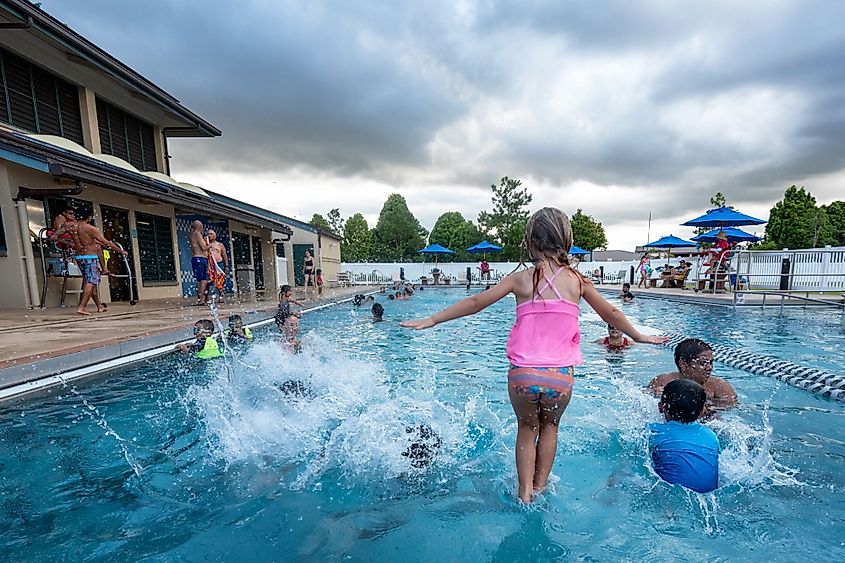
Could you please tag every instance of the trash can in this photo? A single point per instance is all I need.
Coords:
(785, 267)
(245, 277)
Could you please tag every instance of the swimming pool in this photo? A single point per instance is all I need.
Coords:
(182, 461)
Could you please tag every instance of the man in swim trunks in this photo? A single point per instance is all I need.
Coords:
(88, 241)
(199, 261)
(694, 359)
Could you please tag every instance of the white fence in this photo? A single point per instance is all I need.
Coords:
(816, 270)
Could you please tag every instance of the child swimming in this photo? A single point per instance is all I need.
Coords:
(378, 312)
(614, 340)
(684, 452)
(543, 346)
(237, 332)
(205, 346)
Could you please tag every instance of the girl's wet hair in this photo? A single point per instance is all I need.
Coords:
(548, 236)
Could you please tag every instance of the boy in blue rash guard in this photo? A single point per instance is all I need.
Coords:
(684, 452)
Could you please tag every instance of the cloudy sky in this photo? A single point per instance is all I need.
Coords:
(616, 107)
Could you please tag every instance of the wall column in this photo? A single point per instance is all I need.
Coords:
(90, 128)
(162, 164)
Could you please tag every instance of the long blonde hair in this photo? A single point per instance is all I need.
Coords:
(548, 237)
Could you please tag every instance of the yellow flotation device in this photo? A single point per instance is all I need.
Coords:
(209, 350)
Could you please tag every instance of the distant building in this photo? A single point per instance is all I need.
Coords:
(615, 255)
(80, 128)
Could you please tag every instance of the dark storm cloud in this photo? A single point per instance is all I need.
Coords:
(364, 88)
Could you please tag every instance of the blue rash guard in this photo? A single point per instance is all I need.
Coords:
(685, 454)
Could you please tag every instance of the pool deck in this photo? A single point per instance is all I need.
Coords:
(35, 344)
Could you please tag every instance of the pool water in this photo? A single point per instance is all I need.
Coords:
(177, 460)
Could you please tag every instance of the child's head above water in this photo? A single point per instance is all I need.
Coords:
(682, 400)
(203, 328)
(235, 321)
(694, 359)
(626, 287)
(424, 444)
(548, 236)
(378, 311)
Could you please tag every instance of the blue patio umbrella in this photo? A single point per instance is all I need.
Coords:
(733, 235)
(483, 247)
(435, 249)
(577, 250)
(670, 241)
(723, 217)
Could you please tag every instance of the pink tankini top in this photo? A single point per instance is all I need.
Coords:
(546, 332)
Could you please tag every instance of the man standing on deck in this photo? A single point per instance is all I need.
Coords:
(87, 243)
(199, 261)
(221, 260)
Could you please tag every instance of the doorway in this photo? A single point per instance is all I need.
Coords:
(299, 262)
(116, 229)
(258, 263)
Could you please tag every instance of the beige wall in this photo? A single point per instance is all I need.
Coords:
(12, 273)
(329, 257)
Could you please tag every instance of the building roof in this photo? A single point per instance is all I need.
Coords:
(76, 164)
(276, 216)
(78, 49)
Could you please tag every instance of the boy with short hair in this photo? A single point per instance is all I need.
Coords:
(237, 330)
(627, 296)
(684, 451)
(205, 346)
(378, 312)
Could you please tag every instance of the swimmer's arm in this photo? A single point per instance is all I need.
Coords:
(465, 307)
(725, 397)
(105, 243)
(613, 316)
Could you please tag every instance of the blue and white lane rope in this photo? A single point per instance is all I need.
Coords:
(819, 381)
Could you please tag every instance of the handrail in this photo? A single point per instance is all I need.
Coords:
(830, 260)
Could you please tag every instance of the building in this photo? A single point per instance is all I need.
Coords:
(80, 128)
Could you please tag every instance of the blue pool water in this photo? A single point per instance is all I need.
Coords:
(179, 461)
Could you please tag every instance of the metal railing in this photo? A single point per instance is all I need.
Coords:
(787, 274)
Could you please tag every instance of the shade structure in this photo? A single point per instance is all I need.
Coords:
(483, 247)
(577, 250)
(723, 217)
(670, 241)
(733, 235)
(435, 249)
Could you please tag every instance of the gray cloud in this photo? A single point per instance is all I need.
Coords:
(745, 98)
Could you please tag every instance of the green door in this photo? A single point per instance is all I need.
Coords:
(298, 262)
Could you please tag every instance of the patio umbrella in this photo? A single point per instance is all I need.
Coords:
(723, 217)
(435, 249)
(577, 250)
(484, 247)
(734, 235)
(668, 242)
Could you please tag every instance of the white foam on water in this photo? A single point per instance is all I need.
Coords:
(352, 421)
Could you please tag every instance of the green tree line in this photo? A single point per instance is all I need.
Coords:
(398, 235)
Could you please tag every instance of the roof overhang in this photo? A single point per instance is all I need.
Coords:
(74, 50)
(67, 165)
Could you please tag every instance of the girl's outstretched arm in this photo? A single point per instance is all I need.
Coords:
(614, 317)
(469, 306)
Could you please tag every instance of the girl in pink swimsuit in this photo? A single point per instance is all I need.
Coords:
(544, 342)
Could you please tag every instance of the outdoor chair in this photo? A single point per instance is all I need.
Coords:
(344, 279)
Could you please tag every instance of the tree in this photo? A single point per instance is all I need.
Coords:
(795, 221)
(397, 235)
(357, 240)
(506, 222)
(335, 222)
(833, 231)
(587, 232)
(320, 222)
(456, 233)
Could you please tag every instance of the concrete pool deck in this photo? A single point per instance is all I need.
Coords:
(36, 344)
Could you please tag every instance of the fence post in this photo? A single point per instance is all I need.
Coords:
(784, 273)
(825, 268)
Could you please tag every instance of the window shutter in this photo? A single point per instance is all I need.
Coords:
(155, 246)
(20, 94)
(125, 136)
